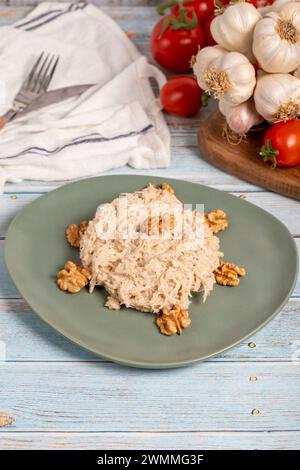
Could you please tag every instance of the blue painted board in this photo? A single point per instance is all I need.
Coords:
(277, 440)
(106, 397)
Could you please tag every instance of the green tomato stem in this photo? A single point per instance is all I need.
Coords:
(219, 5)
(268, 153)
(204, 99)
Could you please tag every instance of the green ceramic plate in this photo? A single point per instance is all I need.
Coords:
(36, 248)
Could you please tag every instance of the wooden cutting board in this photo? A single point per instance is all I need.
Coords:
(243, 160)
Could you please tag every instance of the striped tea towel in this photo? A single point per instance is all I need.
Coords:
(116, 122)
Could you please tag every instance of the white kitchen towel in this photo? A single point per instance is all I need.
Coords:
(117, 121)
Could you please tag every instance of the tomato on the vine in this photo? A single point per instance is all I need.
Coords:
(181, 95)
(282, 144)
(207, 32)
(173, 43)
(260, 3)
(203, 9)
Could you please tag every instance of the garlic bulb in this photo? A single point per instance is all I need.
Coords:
(274, 7)
(276, 39)
(203, 61)
(233, 30)
(264, 10)
(230, 76)
(279, 3)
(289, 9)
(277, 97)
(242, 117)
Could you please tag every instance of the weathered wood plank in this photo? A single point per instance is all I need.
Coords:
(107, 397)
(25, 337)
(285, 209)
(197, 171)
(10, 205)
(7, 287)
(282, 440)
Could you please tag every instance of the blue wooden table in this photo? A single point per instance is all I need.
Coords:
(55, 395)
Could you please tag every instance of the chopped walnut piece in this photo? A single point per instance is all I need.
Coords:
(216, 220)
(227, 274)
(173, 321)
(75, 232)
(168, 188)
(73, 277)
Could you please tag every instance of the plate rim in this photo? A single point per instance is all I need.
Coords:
(136, 363)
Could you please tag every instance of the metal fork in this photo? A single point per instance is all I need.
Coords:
(35, 84)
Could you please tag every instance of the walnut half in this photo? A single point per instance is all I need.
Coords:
(173, 321)
(75, 232)
(73, 277)
(216, 220)
(228, 274)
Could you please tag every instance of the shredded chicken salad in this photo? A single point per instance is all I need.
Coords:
(150, 272)
(151, 253)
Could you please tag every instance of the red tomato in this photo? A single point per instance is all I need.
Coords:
(207, 32)
(181, 95)
(282, 144)
(174, 48)
(260, 3)
(203, 9)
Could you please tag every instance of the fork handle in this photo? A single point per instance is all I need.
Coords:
(10, 114)
(2, 122)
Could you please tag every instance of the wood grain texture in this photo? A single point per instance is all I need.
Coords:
(243, 160)
(280, 440)
(107, 397)
(25, 337)
(186, 164)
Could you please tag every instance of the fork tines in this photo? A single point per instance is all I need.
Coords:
(41, 73)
